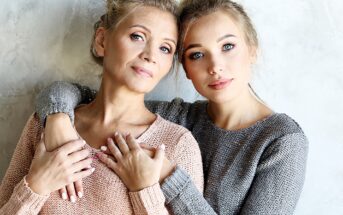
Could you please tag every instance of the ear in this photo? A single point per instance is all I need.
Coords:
(99, 41)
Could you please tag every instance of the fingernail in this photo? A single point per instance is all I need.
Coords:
(72, 199)
(103, 148)
(83, 141)
(64, 196)
(163, 147)
(80, 194)
(116, 133)
(92, 170)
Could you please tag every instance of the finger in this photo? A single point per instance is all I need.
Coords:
(132, 143)
(145, 146)
(107, 161)
(105, 149)
(84, 164)
(78, 155)
(83, 174)
(160, 152)
(79, 188)
(114, 149)
(71, 192)
(72, 146)
(63, 193)
(124, 149)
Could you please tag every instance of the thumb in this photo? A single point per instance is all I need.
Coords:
(40, 150)
(160, 152)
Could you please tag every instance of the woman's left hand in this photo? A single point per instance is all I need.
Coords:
(132, 164)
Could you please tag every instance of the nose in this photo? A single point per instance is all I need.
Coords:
(148, 53)
(215, 66)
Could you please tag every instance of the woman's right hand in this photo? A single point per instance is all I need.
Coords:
(51, 171)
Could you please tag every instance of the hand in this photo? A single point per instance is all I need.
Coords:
(50, 171)
(58, 131)
(167, 168)
(134, 167)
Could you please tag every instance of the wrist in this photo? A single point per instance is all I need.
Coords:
(34, 186)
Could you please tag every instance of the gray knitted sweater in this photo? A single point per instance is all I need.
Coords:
(256, 170)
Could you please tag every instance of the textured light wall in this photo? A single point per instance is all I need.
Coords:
(299, 72)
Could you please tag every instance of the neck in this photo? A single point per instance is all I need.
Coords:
(241, 112)
(116, 104)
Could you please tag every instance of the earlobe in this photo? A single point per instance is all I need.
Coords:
(99, 42)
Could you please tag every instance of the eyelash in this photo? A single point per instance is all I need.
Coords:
(228, 45)
(197, 55)
(137, 37)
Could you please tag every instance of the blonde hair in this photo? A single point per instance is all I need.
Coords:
(191, 10)
(117, 10)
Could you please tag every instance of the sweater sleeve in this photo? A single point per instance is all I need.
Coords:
(183, 196)
(62, 97)
(15, 195)
(183, 190)
(188, 157)
(279, 177)
(275, 190)
(175, 111)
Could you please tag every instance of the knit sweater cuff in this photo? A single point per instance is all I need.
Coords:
(175, 184)
(147, 198)
(53, 108)
(24, 196)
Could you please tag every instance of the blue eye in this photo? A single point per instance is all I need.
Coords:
(165, 50)
(228, 47)
(196, 55)
(136, 37)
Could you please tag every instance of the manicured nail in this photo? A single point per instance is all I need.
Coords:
(103, 148)
(83, 141)
(72, 199)
(163, 147)
(80, 194)
(64, 196)
(92, 170)
(116, 133)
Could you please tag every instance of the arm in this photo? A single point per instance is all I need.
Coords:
(188, 157)
(15, 195)
(62, 97)
(279, 177)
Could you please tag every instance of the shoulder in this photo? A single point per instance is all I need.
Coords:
(285, 135)
(171, 128)
(277, 126)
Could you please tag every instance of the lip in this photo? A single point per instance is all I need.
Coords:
(142, 71)
(220, 84)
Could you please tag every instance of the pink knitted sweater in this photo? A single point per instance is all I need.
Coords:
(104, 191)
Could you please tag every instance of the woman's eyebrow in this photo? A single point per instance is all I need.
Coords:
(192, 46)
(224, 37)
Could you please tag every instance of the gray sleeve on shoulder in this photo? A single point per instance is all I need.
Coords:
(62, 97)
(279, 177)
(182, 196)
(175, 111)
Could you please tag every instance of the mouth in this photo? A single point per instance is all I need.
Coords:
(142, 72)
(220, 84)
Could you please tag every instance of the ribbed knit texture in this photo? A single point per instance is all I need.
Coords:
(104, 191)
(256, 170)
